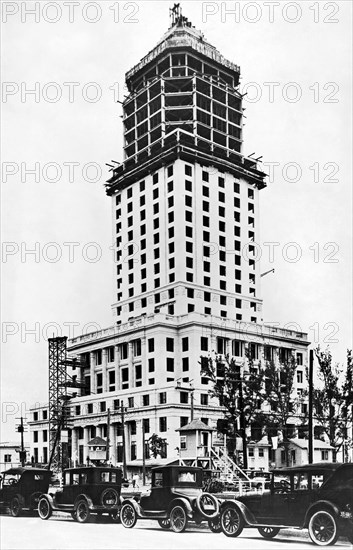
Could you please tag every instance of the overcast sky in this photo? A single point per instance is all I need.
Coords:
(71, 130)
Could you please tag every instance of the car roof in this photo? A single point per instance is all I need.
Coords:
(20, 470)
(327, 466)
(93, 469)
(176, 467)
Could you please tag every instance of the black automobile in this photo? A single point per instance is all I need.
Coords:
(21, 488)
(176, 497)
(86, 491)
(318, 497)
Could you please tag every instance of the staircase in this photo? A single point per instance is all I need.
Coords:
(225, 468)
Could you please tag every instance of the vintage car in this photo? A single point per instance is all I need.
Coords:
(22, 487)
(318, 497)
(176, 497)
(85, 491)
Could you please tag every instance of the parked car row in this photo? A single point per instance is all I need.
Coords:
(317, 497)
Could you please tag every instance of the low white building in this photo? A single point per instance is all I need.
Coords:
(9, 454)
(299, 453)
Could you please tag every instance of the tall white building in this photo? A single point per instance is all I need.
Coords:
(185, 209)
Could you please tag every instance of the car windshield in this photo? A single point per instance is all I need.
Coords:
(281, 482)
(11, 479)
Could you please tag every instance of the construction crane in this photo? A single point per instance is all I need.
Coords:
(59, 409)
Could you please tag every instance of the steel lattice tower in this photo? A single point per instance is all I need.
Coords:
(57, 398)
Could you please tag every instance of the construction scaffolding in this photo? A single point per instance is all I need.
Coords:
(59, 400)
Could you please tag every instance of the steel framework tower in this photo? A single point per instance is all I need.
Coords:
(58, 411)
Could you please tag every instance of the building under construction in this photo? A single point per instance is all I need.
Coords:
(185, 213)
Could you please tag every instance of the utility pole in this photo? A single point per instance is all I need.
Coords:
(22, 453)
(108, 438)
(311, 370)
(143, 455)
(192, 405)
(242, 421)
(123, 434)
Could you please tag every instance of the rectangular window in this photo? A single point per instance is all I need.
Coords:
(170, 344)
(185, 362)
(184, 397)
(163, 424)
(138, 375)
(162, 398)
(204, 399)
(145, 400)
(151, 365)
(111, 379)
(204, 343)
(170, 364)
(130, 402)
(185, 344)
(150, 345)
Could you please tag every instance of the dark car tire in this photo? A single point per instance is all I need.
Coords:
(202, 500)
(323, 528)
(178, 519)
(16, 507)
(83, 513)
(128, 516)
(110, 494)
(232, 521)
(164, 523)
(268, 532)
(73, 515)
(215, 525)
(44, 508)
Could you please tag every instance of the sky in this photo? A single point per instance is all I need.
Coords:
(63, 71)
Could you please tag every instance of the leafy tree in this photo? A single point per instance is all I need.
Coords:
(157, 445)
(333, 401)
(280, 403)
(258, 396)
(239, 392)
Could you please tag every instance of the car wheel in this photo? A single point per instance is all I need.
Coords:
(268, 532)
(215, 525)
(178, 519)
(164, 523)
(207, 505)
(44, 508)
(73, 515)
(323, 528)
(83, 512)
(109, 498)
(16, 507)
(232, 521)
(128, 516)
(115, 516)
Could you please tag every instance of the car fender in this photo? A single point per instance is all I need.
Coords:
(244, 510)
(133, 503)
(322, 505)
(85, 497)
(49, 498)
(181, 502)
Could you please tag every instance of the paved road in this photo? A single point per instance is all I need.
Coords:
(62, 533)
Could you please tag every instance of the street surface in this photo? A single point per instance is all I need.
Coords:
(62, 533)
